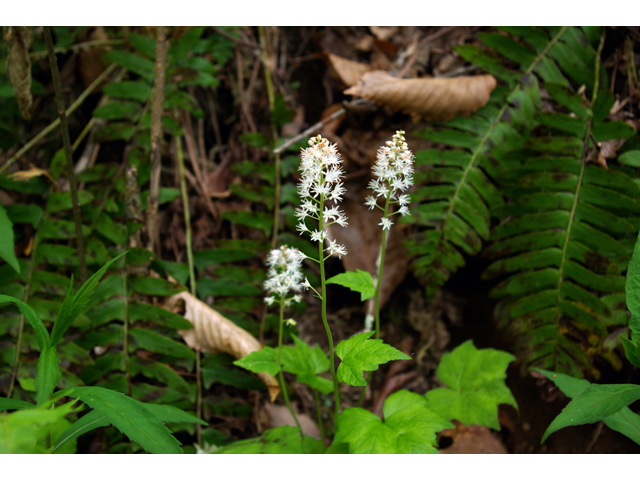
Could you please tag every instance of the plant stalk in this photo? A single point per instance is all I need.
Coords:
(324, 313)
(285, 394)
(64, 127)
(192, 275)
(319, 412)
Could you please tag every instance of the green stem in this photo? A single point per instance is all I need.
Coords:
(285, 394)
(64, 127)
(192, 274)
(319, 412)
(324, 313)
(125, 326)
(25, 299)
(380, 267)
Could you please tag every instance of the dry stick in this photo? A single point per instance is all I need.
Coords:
(241, 93)
(422, 44)
(317, 126)
(193, 156)
(78, 46)
(157, 109)
(53, 63)
(56, 122)
(192, 275)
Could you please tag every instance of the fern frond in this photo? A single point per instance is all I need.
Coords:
(458, 187)
(562, 241)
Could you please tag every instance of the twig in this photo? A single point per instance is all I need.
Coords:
(56, 122)
(78, 46)
(193, 156)
(236, 40)
(317, 126)
(157, 109)
(422, 44)
(241, 93)
(53, 63)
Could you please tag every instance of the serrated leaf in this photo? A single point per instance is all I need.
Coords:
(358, 281)
(282, 440)
(7, 252)
(42, 335)
(307, 363)
(261, 361)
(409, 427)
(72, 308)
(130, 417)
(48, 374)
(359, 354)
(595, 403)
(475, 385)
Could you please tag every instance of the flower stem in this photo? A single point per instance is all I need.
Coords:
(324, 314)
(380, 267)
(284, 386)
(319, 411)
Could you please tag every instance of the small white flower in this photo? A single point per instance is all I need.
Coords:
(301, 227)
(386, 224)
(404, 210)
(290, 322)
(269, 300)
(306, 285)
(371, 202)
(317, 236)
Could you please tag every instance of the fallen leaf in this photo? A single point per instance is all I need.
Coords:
(26, 175)
(428, 98)
(18, 65)
(214, 333)
(350, 72)
(279, 415)
(472, 439)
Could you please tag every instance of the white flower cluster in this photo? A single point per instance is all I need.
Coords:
(394, 171)
(284, 275)
(321, 181)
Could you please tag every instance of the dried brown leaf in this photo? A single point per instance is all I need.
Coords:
(428, 98)
(26, 175)
(18, 65)
(472, 439)
(280, 415)
(350, 72)
(214, 333)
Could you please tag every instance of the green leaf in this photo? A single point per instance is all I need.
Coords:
(632, 287)
(7, 252)
(25, 213)
(595, 403)
(409, 427)
(11, 404)
(169, 414)
(359, 354)
(130, 417)
(358, 281)
(260, 220)
(207, 258)
(42, 334)
(48, 374)
(632, 351)
(281, 440)
(88, 422)
(154, 286)
(631, 158)
(72, 308)
(475, 385)
(265, 360)
(27, 430)
(625, 421)
(155, 342)
(62, 200)
(157, 315)
(307, 363)
(139, 91)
